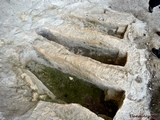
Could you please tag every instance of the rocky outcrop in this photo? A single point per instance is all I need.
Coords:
(81, 38)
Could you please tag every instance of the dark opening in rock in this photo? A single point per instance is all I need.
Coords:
(105, 55)
(99, 55)
(154, 104)
(71, 89)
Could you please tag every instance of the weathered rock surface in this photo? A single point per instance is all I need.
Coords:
(53, 111)
(70, 29)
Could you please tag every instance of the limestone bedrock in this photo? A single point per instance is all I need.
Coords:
(48, 32)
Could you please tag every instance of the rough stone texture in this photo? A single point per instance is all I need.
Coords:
(14, 92)
(67, 24)
(78, 65)
(36, 86)
(53, 111)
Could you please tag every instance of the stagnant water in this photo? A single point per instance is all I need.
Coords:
(71, 89)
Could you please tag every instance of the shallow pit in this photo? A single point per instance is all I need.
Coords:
(98, 25)
(104, 55)
(116, 31)
(70, 89)
(99, 55)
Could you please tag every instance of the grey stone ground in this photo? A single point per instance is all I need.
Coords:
(115, 28)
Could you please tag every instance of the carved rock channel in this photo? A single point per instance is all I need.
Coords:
(75, 63)
(109, 62)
